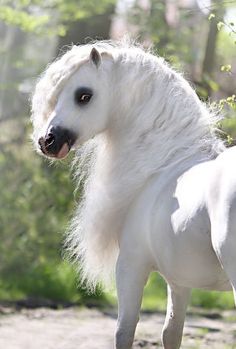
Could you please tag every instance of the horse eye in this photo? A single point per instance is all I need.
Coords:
(83, 95)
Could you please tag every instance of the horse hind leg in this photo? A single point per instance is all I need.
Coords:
(178, 298)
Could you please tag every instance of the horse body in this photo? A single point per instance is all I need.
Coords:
(170, 231)
(158, 196)
(179, 229)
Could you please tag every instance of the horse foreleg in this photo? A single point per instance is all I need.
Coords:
(131, 276)
(178, 298)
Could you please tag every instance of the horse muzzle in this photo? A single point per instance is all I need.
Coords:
(57, 142)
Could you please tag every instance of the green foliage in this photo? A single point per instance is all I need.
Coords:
(226, 68)
(171, 43)
(37, 199)
(155, 294)
(228, 125)
(74, 10)
(36, 202)
(23, 19)
(46, 280)
(31, 209)
(211, 16)
(52, 280)
(36, 205)
(230, 101)
(50, 17)
(220, 25)
(212, 299)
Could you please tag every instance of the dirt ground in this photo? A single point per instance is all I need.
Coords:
(83, 328)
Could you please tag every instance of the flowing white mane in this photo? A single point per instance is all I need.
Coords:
(159, 123)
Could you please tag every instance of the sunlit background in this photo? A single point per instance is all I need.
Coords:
(37, 200)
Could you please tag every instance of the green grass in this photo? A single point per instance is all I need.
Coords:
(155, 296)
(212, 299)
(59, 283)
(56, 282)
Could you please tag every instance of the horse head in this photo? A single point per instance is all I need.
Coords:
(71, 101)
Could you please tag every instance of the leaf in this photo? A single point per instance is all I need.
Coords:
(26, 21)
(220, 25)
(211, 16)
(226, 68)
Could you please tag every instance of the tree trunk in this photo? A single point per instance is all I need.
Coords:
(93, 28)
(210, 51)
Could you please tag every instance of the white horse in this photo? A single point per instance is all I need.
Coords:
(160, 188)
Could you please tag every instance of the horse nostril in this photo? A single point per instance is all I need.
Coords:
(57, 142)
(41, 142)
(50, 139)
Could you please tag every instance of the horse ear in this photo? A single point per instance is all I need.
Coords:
(95, 57)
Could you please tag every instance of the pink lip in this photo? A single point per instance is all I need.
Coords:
(60, 155)
(63, 151)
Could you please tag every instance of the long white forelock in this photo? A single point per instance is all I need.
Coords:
(55, 77)
(159, 123)
(59, 72)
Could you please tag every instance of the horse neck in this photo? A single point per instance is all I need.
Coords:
(161, 124)
(157, 125)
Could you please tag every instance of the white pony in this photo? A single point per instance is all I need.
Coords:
(159, 187)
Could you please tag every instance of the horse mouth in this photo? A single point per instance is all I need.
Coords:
(57, 143)
(63, 152)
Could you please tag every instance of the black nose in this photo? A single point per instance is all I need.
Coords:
(50, 141)
(56, 137)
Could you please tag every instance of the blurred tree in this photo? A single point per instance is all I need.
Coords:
(97, 26)
(182, 33)
(64, 22)
(49, 17)
(36, 199)
(169, 27)
(11, 47)
(210, 50)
